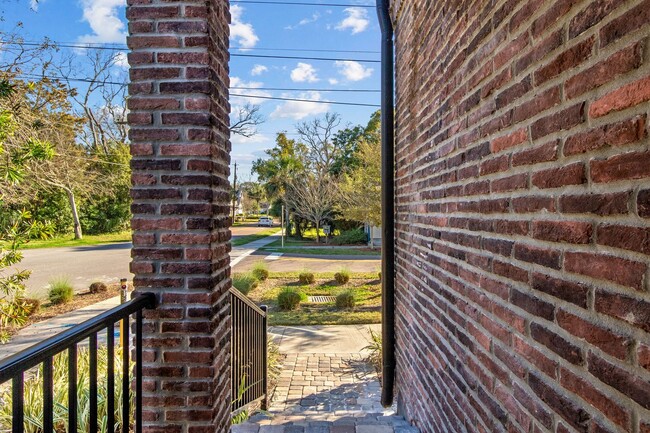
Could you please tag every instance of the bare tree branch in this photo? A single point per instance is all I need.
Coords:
(247, 119)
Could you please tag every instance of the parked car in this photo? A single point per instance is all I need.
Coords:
(265, 222)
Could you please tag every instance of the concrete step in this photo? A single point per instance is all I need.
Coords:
(369, 423)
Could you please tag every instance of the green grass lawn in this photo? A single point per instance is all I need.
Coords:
(342, 251)
(69, 241)
(366, 287)
(250, 238)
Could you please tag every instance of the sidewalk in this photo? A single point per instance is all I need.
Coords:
(38, 332)
(237, 254)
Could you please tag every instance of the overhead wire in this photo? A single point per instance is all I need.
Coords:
(260, 56)
(301, 3)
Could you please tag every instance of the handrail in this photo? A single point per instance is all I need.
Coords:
(247, 301)
(38, 353)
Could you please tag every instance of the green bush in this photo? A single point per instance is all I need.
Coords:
(375, 349)
(33, 395)
(350, 237)
(306, 278)
(345, 299)
(244, 282)
(342, 276)
(61, 291)
(289, 299)
(260, 270)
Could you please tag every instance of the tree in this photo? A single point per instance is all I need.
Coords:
(322, 151)
(247, 118)
(312, 197)
(14, 154)
(285, 161)
(360, 188)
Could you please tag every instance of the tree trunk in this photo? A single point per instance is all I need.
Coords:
(318, 232)
(75, 214)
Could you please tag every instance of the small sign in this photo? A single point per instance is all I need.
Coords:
(326, 230)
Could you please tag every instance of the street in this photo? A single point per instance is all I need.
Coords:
(109, 262)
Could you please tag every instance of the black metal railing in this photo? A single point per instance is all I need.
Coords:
(249, 345)
(36, 365)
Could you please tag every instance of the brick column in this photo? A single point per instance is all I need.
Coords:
(179, 133)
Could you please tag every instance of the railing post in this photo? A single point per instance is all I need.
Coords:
(265, 358)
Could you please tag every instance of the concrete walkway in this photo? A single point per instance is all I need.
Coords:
(239, 253)
(38, 332)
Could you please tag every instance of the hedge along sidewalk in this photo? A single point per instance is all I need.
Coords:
(39, 331)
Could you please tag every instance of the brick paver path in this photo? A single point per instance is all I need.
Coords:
(326, 393)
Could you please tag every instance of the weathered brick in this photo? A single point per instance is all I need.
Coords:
(624, 97)
(624, 381)
(635, 311)
(617, 134)
(574, 232)
(621, 271)
(625, 237)
(565, 61)
(608, 341)
(631, 20)
(633, 165)
(573, 174)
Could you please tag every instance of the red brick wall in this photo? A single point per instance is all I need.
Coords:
(179, 132)
(523, 215)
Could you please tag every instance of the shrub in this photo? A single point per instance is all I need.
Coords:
(61, 291)
(98, 287)
(244, 282)
(289, 299)
(342, 276)
(32, 305)
(374, 347)
(350, 237)
(345, 299)
(306, 278)
(260, 270)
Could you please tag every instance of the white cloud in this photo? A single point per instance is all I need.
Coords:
(255, 139)
(103, 18)
(353, 71)
(242, 32)
(303, 22)
(333, 81)
(259, 70)
(304, 72)
(121, 60)
(298, 110)
(237, 101)
(356, 20)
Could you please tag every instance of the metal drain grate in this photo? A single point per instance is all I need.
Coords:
(321, 299)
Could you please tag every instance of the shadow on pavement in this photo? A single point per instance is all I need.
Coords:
(104, 247)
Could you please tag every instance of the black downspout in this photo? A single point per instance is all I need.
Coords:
(387, 205)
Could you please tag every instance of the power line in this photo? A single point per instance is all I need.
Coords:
(301, 3)
(277, 98)
(285, 89)
(293, 89)
(260, 56)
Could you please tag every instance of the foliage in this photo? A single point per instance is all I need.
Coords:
(243, 415)
(33, 400)
(312, 196)
(342, 276)
(349, 139)
(284, 161)
(375, 349)
(273, 360)
(289, 299)
(350, 237)
(306, 277)
(244, 282)
(61, 291)
(360, 188)
(345, 300)
(260, 270)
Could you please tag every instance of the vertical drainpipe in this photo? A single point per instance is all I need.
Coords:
(387, 204)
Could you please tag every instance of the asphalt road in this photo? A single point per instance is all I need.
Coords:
(109, 262)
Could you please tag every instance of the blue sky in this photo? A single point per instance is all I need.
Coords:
(255, 30)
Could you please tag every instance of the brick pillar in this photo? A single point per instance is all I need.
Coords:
(179, 133)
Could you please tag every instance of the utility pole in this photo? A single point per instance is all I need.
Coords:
(234, 194)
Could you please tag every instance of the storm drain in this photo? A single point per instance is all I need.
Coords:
(321, 299)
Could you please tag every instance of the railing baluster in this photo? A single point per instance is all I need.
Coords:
(126, 383)
(92, 388)
(48, 396)
(138, 372)
(72, 389)
(265, 358)
(42, 354)
(110, 379)
(17, 400)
